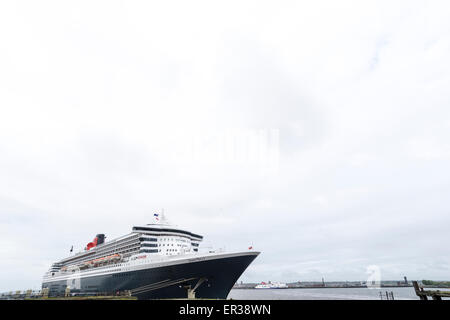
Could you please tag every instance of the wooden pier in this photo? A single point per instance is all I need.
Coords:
(434, 294)
(44, 295)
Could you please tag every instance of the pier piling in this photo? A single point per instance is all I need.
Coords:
(434, 294)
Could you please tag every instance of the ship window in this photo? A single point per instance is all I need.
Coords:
(148, 245)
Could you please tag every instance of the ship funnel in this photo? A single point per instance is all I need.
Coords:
(100, 238)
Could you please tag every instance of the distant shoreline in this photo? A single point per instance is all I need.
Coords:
(342, 287)
(326, 287)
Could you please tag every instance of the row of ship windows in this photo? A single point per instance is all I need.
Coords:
(156, 250)
(149, 245)
(148, 239)
(183, 233)
(166, 239)
(156, 245)
(159, 250)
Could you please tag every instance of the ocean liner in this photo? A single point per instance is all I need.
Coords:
(154, 261)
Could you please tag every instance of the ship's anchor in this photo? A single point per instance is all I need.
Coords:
(191, 292)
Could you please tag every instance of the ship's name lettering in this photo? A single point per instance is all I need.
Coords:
(139, 257)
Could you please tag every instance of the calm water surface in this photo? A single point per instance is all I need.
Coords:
(322, 294)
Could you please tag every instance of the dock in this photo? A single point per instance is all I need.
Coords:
(44, 295)
(434, 294)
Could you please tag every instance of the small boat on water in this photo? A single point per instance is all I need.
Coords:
(271, 285)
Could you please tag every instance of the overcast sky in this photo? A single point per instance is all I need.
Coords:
(316, 131)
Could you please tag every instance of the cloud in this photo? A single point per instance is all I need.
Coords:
(110, 111)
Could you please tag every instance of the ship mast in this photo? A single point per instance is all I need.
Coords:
(163, 217)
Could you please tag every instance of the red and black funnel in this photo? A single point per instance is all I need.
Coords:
(99, 239)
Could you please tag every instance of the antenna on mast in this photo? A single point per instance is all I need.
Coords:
(163, 218)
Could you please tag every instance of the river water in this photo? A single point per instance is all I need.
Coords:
(323, 294)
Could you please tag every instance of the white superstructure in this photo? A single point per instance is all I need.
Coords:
(158, 241)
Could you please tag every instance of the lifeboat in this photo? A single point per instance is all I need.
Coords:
(96, 262)
(114, 257)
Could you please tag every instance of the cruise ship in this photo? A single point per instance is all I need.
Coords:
(154, 261)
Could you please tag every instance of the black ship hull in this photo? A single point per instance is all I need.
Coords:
(211, 278)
